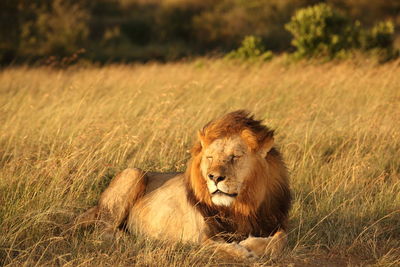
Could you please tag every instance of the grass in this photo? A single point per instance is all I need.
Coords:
(65, 133)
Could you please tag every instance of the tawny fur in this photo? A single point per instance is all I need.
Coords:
(180, 206)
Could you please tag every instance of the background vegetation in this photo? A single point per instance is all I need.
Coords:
(65, 133)
(111, 30)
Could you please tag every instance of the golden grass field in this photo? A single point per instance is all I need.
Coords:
(65, 133)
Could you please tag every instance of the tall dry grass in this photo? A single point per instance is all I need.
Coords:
(65, 133)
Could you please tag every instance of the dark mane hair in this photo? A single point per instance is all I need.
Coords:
(234, 123)
(262, 207)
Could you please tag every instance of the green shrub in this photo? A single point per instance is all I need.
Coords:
(251, 49)
(321, 30)
(380, 36)
(378, 41)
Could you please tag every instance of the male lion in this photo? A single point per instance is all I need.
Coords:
(234, 194)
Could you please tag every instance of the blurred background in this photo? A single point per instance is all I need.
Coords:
(163, 30)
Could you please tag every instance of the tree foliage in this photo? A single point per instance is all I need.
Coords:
(61, 29)
(167, 30)
(322, 30)
(251, 49)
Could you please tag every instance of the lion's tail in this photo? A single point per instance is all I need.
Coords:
(87, 218)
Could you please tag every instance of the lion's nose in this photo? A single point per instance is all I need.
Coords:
(216, 177)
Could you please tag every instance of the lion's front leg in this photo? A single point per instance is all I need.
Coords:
(272, 246)
(232, 249)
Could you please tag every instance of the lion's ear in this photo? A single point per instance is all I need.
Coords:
(198, 145)
(262, 147)
(202, 138)
(266, 146)
(250, 138)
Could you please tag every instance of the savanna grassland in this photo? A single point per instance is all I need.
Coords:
(65, 133)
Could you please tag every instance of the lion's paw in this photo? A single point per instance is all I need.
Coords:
(272, 246)
(256, 244)
(237, 251)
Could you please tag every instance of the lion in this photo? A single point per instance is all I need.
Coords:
(234, 195)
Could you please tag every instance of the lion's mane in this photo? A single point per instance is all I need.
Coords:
(262, 207)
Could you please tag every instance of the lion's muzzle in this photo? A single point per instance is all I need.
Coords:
(224, 193)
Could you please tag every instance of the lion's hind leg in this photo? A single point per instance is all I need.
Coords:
(116, 201)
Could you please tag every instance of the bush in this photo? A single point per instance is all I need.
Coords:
(320, 30)
(380, 36)
(62, 29)
(251, 49)
(377, 42)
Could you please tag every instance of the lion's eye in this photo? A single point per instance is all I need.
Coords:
(235, 157)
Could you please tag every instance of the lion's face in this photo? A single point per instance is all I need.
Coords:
(225, 165)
